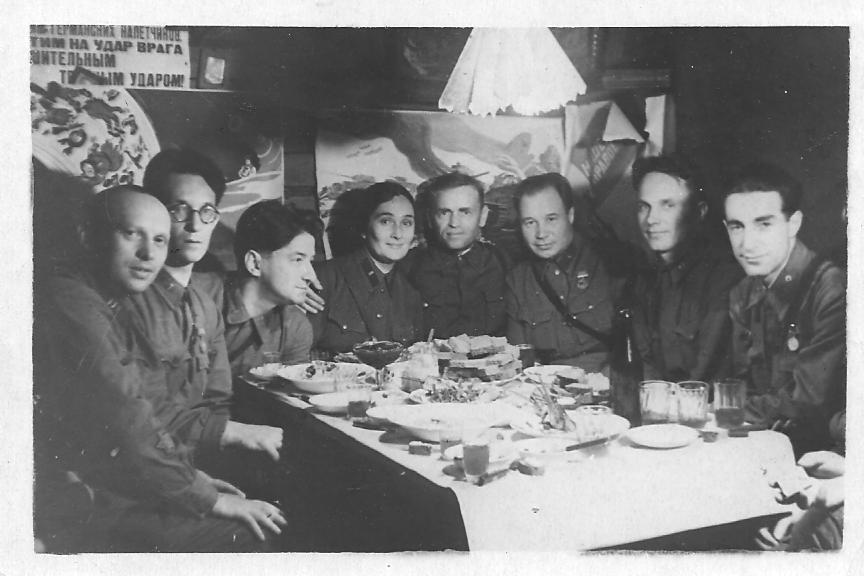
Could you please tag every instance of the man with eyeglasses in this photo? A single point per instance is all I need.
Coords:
(184, 323)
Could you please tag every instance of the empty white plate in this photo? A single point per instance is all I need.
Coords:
(662, 435)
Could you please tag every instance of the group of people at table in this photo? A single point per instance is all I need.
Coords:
(134, 349)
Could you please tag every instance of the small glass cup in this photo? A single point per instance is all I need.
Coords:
(359, 399)
(730, 396)
(526, 355)
(692, 403)
(475, 459)
(448, 437)
(593, 410)
(656, 399)
(272, 357)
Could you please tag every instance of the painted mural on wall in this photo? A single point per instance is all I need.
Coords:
(99, 136)
(357, 149)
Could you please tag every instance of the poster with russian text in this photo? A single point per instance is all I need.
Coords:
(113, 55)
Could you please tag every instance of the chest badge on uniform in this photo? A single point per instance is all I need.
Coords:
(582, 278)
(792, 343)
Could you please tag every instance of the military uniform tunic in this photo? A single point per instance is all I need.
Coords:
(361, 302)
(580, 279)
(463, 293)
(795, 374)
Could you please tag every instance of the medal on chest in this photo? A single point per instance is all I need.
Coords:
(582, 278)
(792, 343)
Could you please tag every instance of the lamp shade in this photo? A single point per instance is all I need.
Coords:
(522, 68)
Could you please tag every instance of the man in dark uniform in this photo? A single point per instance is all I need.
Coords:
(274, 248)
(101, 444)
(788, 314)
(559, 300)
(184, 323)
(459, 275)
(680, 293)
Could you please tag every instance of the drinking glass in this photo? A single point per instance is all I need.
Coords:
(527, 355)
(730, 395)
(656, 398)
(271, 357)
(359, 400)
(475, 459)
(692, 403)
(449, 436)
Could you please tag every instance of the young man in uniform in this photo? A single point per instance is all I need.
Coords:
(560, 299)
(274, 248)
(788, 314)
(184, 323)
(680, 293)
(459, 275)
(101, 443)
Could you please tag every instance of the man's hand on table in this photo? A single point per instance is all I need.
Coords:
(313, 302)
(823, 464)
(253, 437)
(257, 515)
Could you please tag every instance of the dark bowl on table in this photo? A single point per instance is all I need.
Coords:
(379, 353)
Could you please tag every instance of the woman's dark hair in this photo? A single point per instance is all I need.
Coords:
(268, 226)
(374, 196)
(181, 161)
(349, 217)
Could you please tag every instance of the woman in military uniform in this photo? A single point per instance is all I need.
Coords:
(366, 294)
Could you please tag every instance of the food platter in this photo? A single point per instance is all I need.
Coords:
(426, 421)
(548, 371)
(663, 436)
(602, 427)
(321, 377)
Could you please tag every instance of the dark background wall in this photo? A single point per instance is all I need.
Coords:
(774, 94)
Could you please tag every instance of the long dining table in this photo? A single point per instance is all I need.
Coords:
(350, 488)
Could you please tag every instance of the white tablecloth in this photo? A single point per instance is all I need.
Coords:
(619, 494)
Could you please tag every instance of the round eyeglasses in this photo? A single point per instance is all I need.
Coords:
(208, 213)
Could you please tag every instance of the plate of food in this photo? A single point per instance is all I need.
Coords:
(267, 371)
(443, 391)
(320, 377)
(425, 421)
(580, 427)
(548, 372)
(662, 436)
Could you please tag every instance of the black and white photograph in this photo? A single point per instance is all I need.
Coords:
(432, 291)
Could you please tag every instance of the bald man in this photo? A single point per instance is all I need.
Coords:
(109, 476)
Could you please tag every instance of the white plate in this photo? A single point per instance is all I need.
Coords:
(389, 397)
(662, 435)
(547, 371)
(331, 402)
(325, 382)
(609, 426)
(547, 449)
(425, 421)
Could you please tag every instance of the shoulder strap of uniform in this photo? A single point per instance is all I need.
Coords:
(569, 317)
